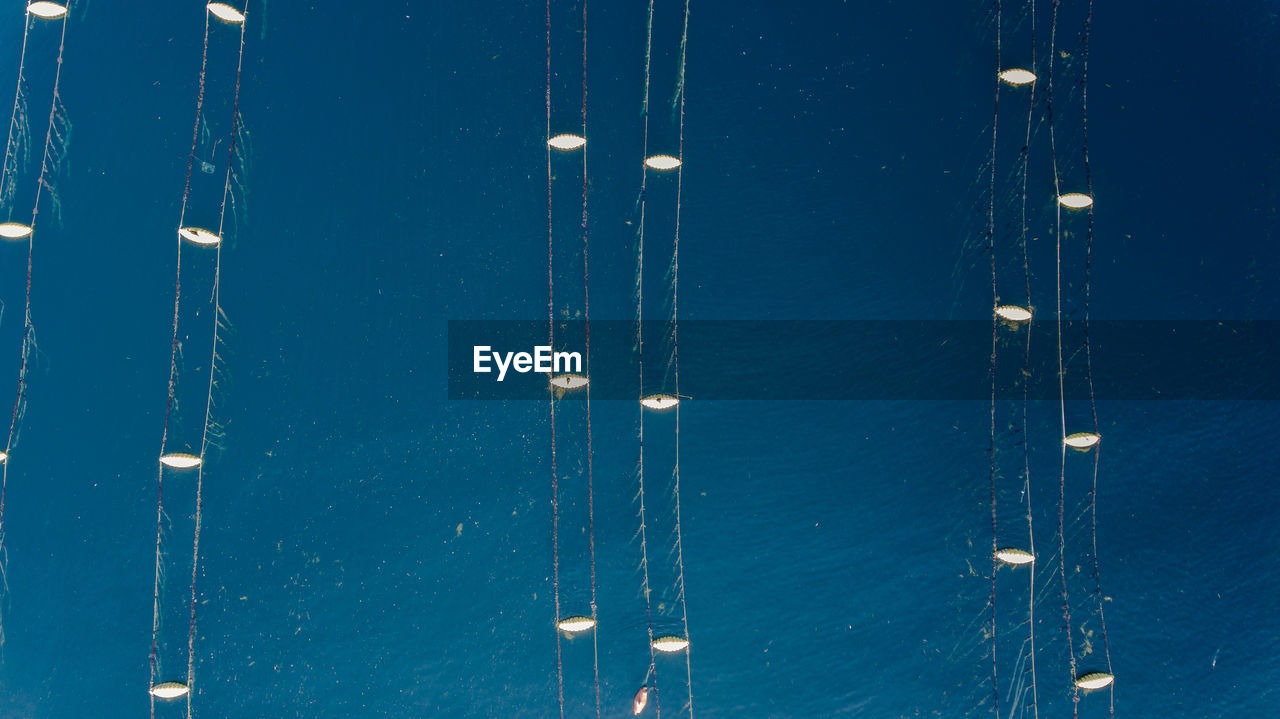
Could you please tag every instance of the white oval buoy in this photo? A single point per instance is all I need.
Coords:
(1095, 680)
(1013, 313)
(199, 236)
(659, 401)
(670, 644)
(4, 457)
(180, 460)
(47, 10)
(1010, 555)
(14, 230)
(1075, 200)
(226, 13)
(662, 162)
(1016, 76)
(1081, 440)
(576, 624)
(169, 690)
(568, 381)
(567, 141)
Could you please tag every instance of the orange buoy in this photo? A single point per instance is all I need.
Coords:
(642, 698)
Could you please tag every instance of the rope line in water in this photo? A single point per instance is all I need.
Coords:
(207, 426)
(19, 125)
(586, 315)
(1062, 406)
(555, 393)
(644, 545)
(551, 333)
(991, 371)
(213, 364)
(672, 360)
(644, 550)
(1026, 366)
(1088, 351)
(675, 358)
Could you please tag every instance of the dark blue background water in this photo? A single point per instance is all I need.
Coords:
(371, 547)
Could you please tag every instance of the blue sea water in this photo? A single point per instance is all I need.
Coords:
(372, 547)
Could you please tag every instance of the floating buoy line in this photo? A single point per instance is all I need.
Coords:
(659, 392)
(571, 426)
(1013, 320)
(1019, 694)
(187, 438)
(1089, 440)
(40, 17)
